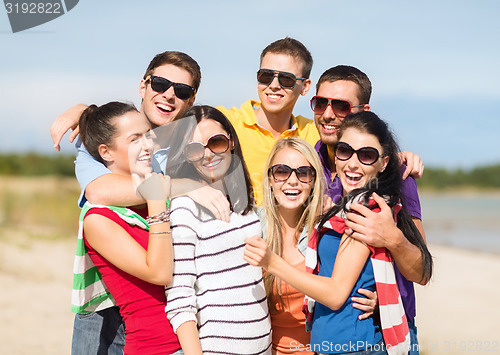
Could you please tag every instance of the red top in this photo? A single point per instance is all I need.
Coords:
(142, 305)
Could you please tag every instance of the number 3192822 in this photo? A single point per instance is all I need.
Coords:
(33, 8)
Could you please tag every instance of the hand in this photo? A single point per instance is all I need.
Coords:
(152, 187)
(63, 123)
(414, 165)
(327, 203)
(257, 252)
(372, 228)
(212, 199)
(367, 305)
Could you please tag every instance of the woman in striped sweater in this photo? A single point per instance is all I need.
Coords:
(216, 302)
(367, 165)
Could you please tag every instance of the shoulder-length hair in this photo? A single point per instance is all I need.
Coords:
(239, 194)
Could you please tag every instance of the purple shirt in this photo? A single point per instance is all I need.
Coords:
(411, 201)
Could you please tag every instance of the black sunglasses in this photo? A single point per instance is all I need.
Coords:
(160, 85)
(341, 108)
(282, 172)
(366, 155)
(218, 144)
(285, 79)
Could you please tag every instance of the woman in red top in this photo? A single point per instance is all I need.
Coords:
(134, 263)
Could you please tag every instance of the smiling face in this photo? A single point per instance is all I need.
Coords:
(291, 195)
(162, 108)
(213, 166)
(352, 173)
(275, 99)
(327, 122)
(131, 150)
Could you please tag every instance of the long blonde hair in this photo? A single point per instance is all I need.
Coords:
(313, 207)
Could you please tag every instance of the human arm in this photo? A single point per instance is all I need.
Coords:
(379, 230)
(181, 308)
(331, 291)
(212, 199)
(188, 338)
(153, 265)
(101, 187)
(414, 165)
(63, 123)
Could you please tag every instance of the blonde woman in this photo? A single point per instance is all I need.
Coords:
(293, 201)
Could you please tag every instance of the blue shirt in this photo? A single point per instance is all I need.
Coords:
(341, 331)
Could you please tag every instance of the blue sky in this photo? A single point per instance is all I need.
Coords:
(434, 65)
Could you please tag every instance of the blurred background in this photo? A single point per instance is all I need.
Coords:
(435, 75)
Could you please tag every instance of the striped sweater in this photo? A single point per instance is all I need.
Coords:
(212, 284)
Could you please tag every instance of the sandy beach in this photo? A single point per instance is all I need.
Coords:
(453, 316)
(457, 312)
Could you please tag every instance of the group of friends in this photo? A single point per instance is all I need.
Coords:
(246, 230)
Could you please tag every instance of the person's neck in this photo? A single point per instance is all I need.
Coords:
(218, 185)
(289, 219)
(276, 123)
(331, 159)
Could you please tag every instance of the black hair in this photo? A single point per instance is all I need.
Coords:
(387, 183)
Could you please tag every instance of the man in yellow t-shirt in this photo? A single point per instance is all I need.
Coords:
(285, 67)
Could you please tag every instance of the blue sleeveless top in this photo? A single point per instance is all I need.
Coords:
(341, 331)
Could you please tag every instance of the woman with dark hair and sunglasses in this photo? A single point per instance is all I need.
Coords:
(216, 302)
(123, 255)
(337, 265)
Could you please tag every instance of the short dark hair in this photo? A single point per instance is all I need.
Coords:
(178, 59)
(293, 48)
(97, 126)
(179, 167)
(349, 73)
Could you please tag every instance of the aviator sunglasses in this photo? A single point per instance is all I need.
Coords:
(282, 172)
(341, 108)
(160, 85)
(366, 155)
(218, 144)
(285, 79)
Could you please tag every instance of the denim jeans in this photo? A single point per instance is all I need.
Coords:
(415, 347)
(97, 333)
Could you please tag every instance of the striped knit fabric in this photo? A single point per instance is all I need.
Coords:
(89, 291)
(392, 315)
(213, 285)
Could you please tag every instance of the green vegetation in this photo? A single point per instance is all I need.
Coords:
(34, 164)
(487, 177)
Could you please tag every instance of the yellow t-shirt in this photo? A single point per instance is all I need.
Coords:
(256, 141)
